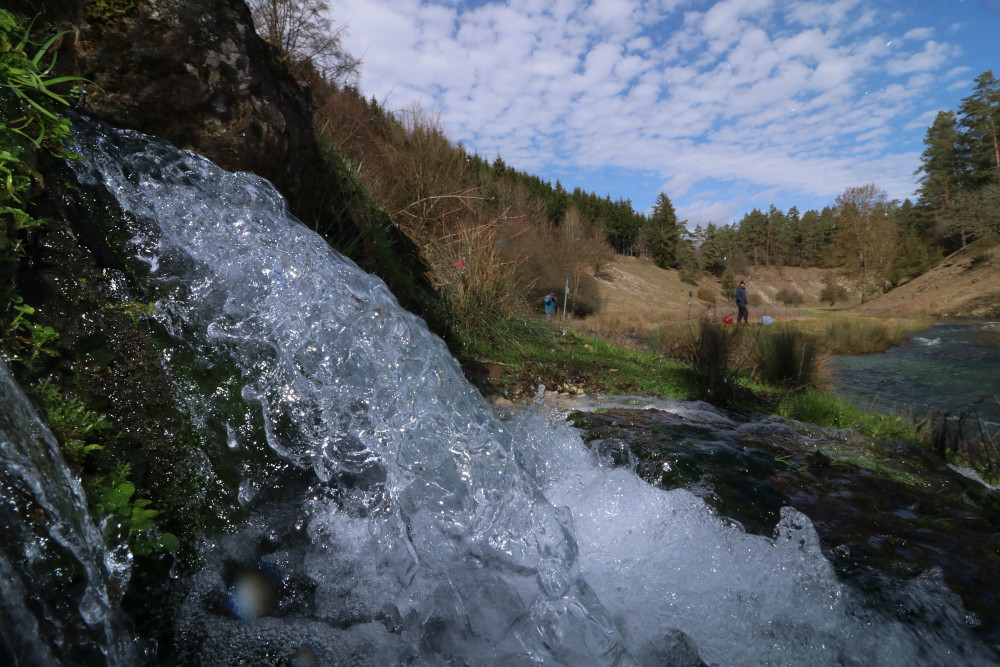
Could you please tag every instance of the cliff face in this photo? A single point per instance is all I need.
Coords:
(192, 72)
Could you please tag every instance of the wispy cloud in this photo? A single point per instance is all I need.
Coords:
(723, 100)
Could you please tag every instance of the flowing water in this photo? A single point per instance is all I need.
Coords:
(954, 367)
(394, 518)
(58, 582)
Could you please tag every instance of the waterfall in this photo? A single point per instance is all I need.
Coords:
(56, 576)
(393, 517)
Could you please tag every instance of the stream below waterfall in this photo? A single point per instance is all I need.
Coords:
(390, 516)
(952, 367)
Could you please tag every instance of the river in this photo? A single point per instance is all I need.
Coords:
(954, 366)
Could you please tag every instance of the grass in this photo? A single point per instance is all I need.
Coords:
(535, 353)
(848, 333)
(814, 407)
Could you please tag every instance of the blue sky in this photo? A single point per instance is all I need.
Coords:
(724, 106)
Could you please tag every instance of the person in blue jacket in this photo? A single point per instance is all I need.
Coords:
(741, 303)
(550, 305)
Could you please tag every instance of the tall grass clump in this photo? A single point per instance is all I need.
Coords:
(787, 357)
(861, 336)
(715, 378)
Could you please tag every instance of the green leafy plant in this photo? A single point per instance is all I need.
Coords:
(24, 332)
(27, 85)
(77, 427)
(69, 419)
(115, 496)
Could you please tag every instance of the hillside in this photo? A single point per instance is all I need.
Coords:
(964, 285)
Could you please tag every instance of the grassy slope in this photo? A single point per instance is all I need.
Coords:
(961, 285)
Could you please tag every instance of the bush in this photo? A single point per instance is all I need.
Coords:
(832, 292)
(481, 288)
(706, 294)
(790, 296)
(787, 358)
(714, 378)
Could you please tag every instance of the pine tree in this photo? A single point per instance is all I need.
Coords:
(979, 116)
(942, 162)
(728, 283)
(661, 234)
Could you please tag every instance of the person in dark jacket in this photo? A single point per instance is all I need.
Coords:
(741, 303)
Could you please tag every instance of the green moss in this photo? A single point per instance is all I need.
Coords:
(110, 12)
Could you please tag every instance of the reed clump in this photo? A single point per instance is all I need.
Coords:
(864, 335)
(714, 377)
(787, 357)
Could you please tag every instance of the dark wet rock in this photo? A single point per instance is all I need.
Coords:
(194, 73)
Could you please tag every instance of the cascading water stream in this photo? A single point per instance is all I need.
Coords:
(56, 576)
(412, 525)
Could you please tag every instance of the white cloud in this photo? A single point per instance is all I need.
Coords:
(779, 96)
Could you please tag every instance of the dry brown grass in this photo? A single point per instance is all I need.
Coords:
(481, 287)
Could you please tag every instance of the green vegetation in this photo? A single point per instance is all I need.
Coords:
(814, 407)
(28, 92)
(115, 497)
(71, 422)
(534, 354)
(786, 357)
(29, 96)
(81, 432)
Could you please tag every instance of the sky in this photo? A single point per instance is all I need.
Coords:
(723, 106)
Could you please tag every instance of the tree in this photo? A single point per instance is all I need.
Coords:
(979, 118)
(661, 235)
(711, 252)
(832, 291)
(728, 283)
(754, 234)
(942, 163)
(975, 214)
(305, 38)
(866, 235)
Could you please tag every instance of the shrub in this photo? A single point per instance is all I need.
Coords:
(790, 296)
(706, 294)
(481, 288)
(788, 358)
(711, 352)
(832, 293)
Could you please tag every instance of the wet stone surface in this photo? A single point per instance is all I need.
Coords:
(885, 512)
